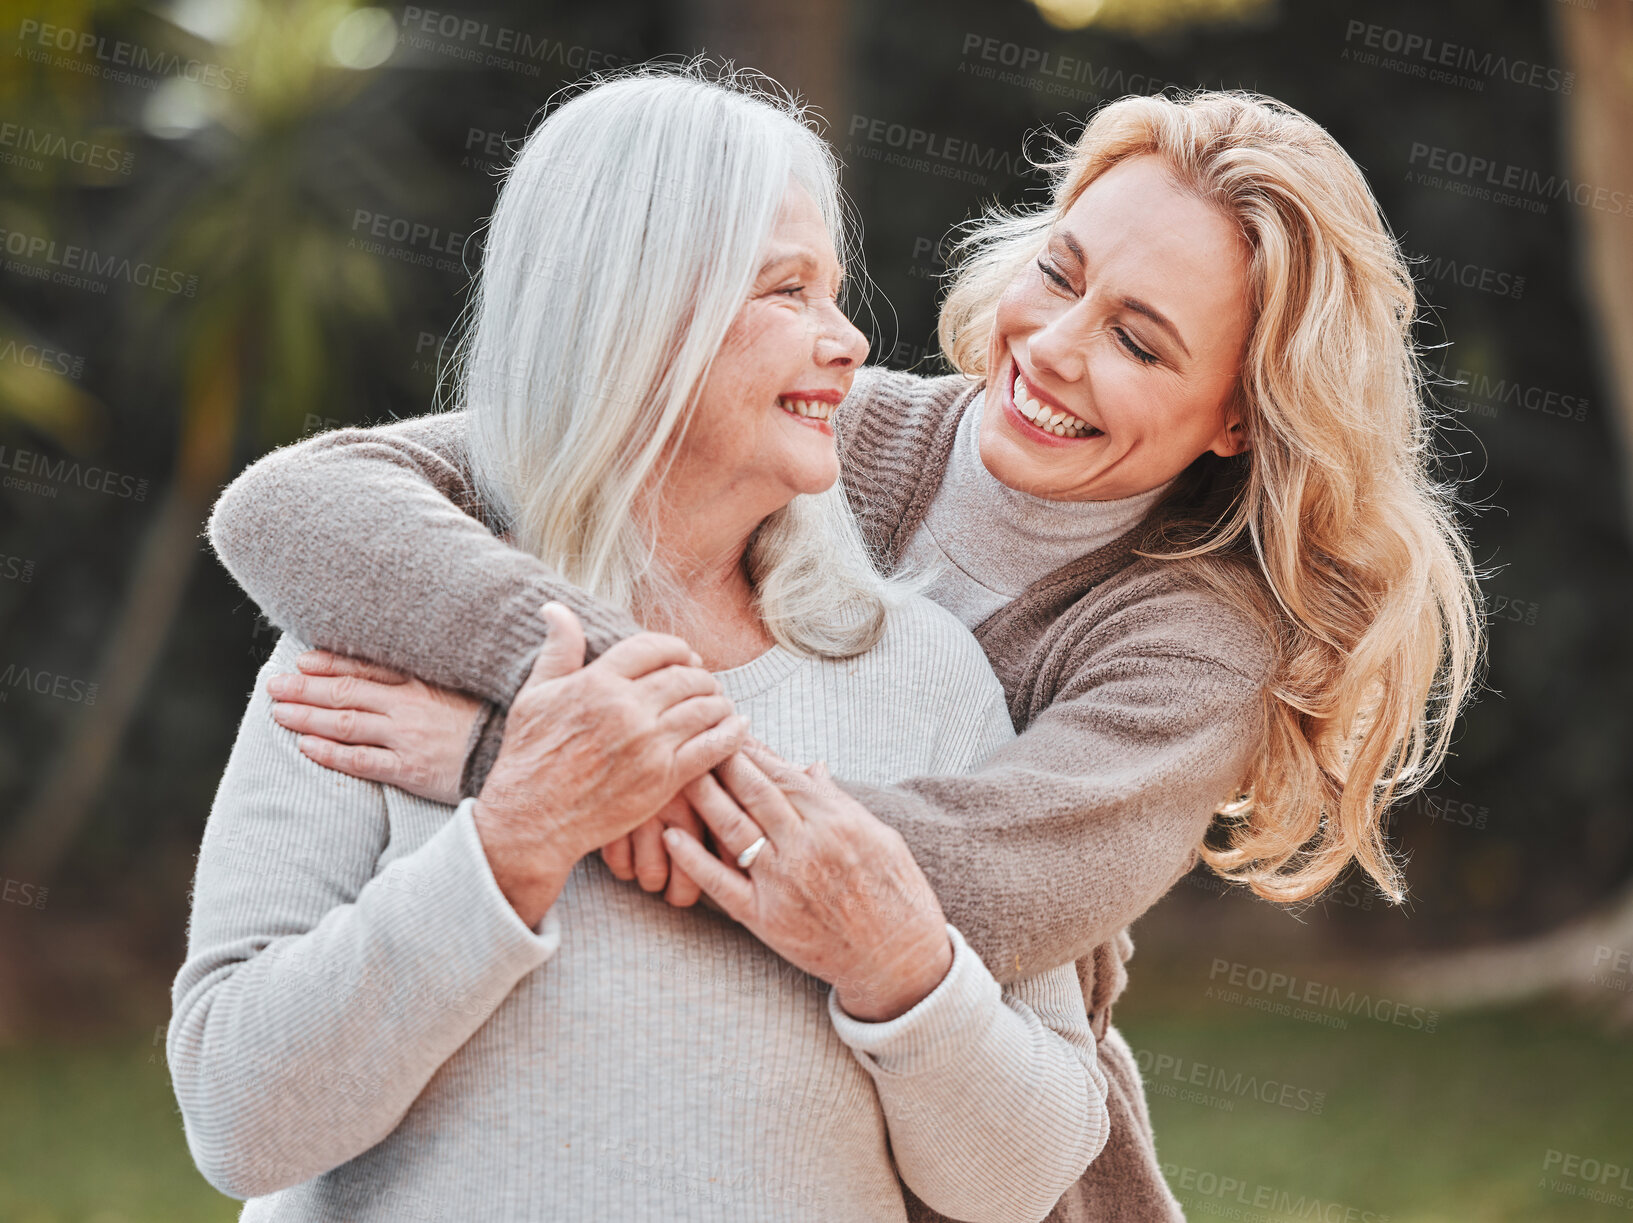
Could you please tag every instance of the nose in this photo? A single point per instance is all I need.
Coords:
(1060, 345)
(841, 345)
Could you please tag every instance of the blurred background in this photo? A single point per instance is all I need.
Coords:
(227, 224)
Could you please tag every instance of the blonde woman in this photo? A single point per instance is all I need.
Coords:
(398, 1008)
(1180, 489)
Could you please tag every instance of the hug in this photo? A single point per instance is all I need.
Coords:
(707, 777)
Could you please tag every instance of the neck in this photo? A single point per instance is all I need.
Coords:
(708, 599)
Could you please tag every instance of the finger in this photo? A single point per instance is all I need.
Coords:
(683, 891)
(709, 748)
(619, 856)
(327, 662)
(340, 692)
(729, 889)
(651, 858)
(692, 717)
(733, 828)
(760, 797)
(340, 725)
(563, 650)
(671, 685)
(365, 763)
(634, 656)
(793, 781)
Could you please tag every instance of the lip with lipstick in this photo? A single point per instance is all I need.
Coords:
(813, 409)
(1041, 416)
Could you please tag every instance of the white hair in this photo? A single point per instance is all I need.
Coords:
(626, 236)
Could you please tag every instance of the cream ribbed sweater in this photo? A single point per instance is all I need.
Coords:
(365, 1030)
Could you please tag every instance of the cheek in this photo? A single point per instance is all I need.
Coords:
(1018, 309)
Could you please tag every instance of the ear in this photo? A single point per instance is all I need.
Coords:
(1231, 440)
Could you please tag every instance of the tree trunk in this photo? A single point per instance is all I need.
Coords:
(802, 46)
(1585, 959)
(1597, 44)
(70, 785)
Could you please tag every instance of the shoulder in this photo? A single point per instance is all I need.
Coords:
(937, 704)
(883, 402)
(1165, 609)
(929, 646)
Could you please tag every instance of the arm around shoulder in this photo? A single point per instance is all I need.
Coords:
(372, 542)
(1150, 713)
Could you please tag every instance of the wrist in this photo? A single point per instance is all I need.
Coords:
(530, 873)
(887, 995)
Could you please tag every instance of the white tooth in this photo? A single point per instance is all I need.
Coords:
(803, 408)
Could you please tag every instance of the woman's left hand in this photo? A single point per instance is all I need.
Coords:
(377, 724)
(834, 891)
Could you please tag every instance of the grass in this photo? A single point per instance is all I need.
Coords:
(91, 1134)
(1453, 1126)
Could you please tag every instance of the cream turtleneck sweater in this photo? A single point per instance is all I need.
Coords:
(972, 510)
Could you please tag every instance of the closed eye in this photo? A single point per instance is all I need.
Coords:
(1138, 353)
(1054, 276)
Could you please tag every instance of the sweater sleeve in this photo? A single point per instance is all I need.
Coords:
(321, 992)
(994, 1100)
(375, 543)
(1064, 836)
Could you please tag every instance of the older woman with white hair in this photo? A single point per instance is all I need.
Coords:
(394, 1008)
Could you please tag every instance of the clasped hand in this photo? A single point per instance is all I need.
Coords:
(617, 755)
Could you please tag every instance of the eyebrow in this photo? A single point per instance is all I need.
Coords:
(1130, 303)
(794, 255)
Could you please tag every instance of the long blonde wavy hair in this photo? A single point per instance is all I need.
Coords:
(1332, 528)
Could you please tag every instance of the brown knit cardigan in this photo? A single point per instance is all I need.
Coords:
(1138, 694)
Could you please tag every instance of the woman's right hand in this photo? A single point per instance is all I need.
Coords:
(592, 752)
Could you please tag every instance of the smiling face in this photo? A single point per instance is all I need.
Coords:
(1115, 353)
(759, 432)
